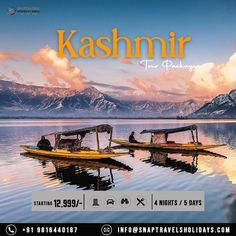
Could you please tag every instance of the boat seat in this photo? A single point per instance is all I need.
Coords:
(169, 142)
(84, 148)
(66, 143)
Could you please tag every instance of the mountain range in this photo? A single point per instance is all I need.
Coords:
(30, 100)
(222, 106)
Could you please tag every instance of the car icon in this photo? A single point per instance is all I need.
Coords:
(110, 201)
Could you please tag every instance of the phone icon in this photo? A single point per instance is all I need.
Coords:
(11, 229)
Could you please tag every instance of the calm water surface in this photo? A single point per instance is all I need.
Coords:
(20, 175)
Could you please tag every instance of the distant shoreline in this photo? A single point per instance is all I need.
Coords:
(111, 118)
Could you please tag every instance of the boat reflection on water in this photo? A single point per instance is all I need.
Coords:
(170, 158)
(163, 159)
(86, 174)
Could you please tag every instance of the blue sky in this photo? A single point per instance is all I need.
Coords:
(210, 23)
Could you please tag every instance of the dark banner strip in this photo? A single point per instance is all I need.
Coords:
(116, 229)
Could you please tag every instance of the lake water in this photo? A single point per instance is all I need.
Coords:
(20, 175)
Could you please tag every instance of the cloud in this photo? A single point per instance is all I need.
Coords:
(4, 77)
(117, 91)
(126, 61)
(203, 83)
(171, 93)
(126, 72)
(146, 87)
(109, 86)
(13, 55)
(141, 64)
(58, 71)
(211, 79)
(165, 86)
(17, 75)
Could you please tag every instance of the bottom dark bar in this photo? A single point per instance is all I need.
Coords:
(116, 229)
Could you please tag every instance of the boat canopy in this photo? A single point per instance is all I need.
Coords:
(170, 131)
(81, 133)
(99, 128)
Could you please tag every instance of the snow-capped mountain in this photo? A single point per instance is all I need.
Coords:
(165, 109)
(27, 100)
(222, 106)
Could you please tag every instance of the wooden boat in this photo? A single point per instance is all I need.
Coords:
(72, 148)
(61, 153)
(85, 164)
(169, 145)
(173, 151)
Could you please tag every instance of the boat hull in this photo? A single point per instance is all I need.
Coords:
(172, 146)
(85, 164)
(65, 154)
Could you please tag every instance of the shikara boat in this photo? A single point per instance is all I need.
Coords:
(174, 151)
(85, 164)
(169, 145)
(72, 148)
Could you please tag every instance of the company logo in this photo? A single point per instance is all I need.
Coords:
(25, 10)
(11, 10)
